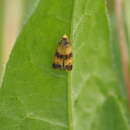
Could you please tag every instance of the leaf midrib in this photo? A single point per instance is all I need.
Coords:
(70, 102)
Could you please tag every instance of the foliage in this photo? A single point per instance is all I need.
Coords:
(35, 96)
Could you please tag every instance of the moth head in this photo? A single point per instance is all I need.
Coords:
(65, 40)
(65, 37)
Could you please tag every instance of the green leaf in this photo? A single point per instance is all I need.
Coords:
(26, 9)
(35, 96)
(29, 7)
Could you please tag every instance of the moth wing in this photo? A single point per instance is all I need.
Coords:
(58, 61)
(68, 64)
(68, 61)
(63, 56)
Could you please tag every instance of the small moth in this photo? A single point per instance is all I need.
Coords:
(63, 55)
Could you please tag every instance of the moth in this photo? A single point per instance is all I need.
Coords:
(63, 55)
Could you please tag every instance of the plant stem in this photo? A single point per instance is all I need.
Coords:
(122, 44)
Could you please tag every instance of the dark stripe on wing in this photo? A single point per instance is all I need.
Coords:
(68, 67)
(58, 55)
(56, 66)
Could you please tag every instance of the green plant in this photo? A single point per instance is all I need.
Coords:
(35, 96)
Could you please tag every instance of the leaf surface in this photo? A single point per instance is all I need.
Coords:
(35, 96)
